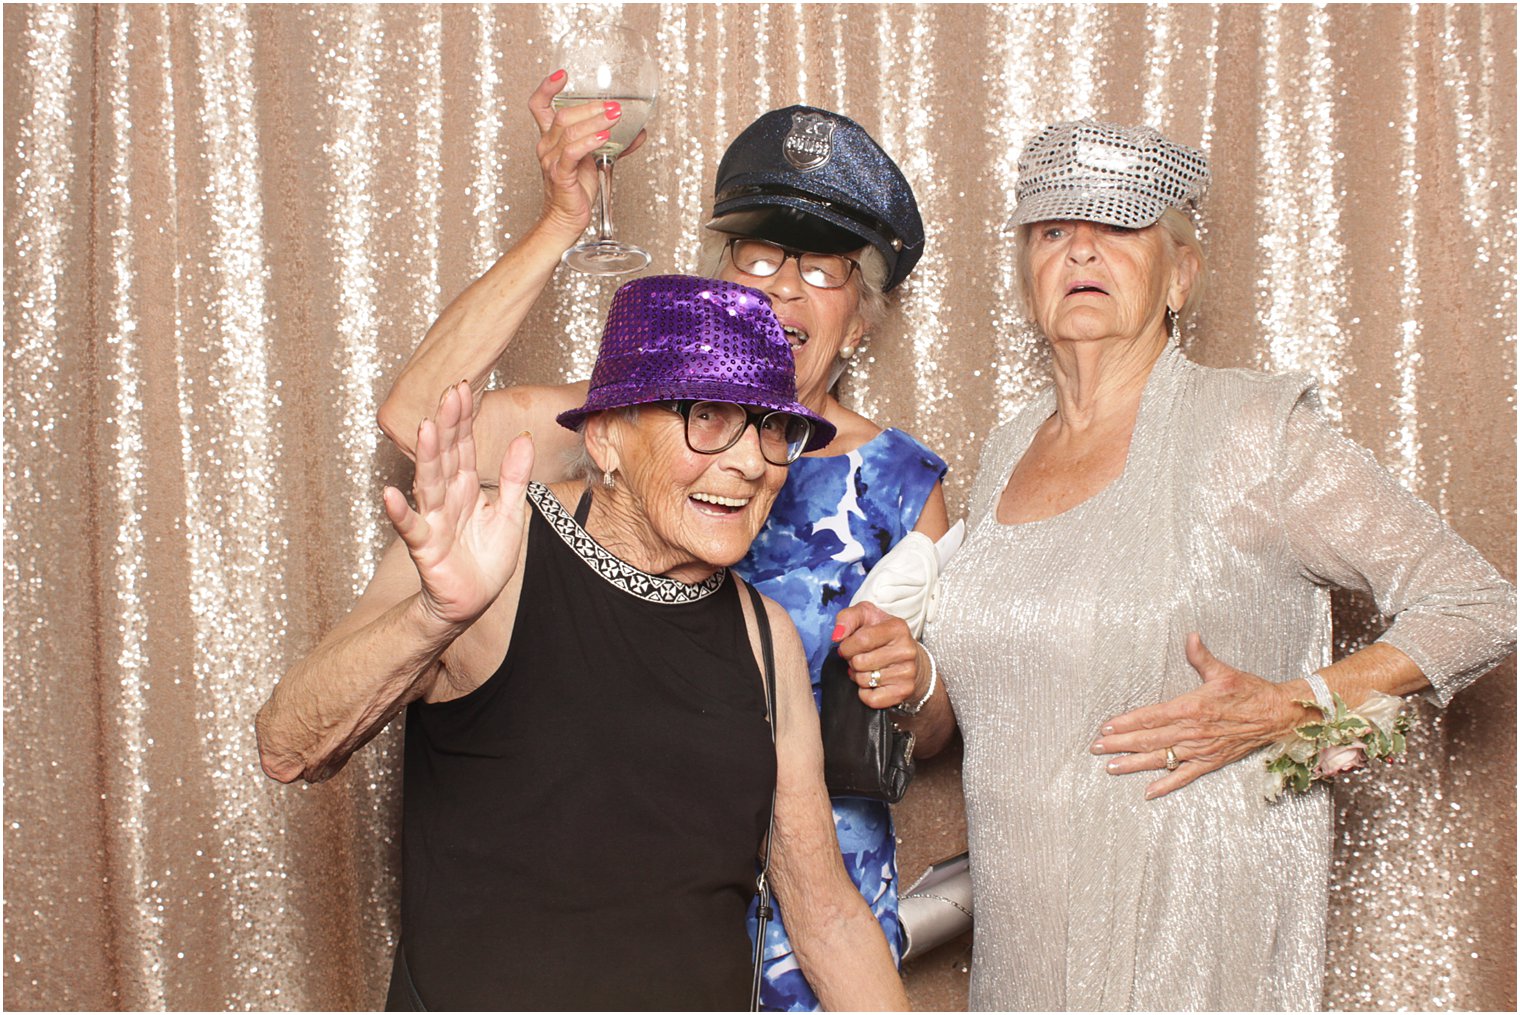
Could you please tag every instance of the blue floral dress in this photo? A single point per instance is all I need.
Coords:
(833, 520)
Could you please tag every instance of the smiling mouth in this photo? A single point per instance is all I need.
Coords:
(796, 336)
(713, 504)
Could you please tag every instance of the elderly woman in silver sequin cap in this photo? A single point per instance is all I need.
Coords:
(1140, 614)
(810, 210)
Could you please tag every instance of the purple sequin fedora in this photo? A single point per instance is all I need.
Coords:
(673, 337)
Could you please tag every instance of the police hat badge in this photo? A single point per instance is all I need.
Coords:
(810, 142)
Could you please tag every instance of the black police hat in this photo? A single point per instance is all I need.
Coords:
(824, 166)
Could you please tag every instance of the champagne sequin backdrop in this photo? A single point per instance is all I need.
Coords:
(226, 227)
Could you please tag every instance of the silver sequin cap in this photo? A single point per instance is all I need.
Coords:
(1104, 172)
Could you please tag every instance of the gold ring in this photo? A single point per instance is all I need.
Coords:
(1171, 760)
(875, 679)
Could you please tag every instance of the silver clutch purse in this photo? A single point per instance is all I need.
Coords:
(937, 907)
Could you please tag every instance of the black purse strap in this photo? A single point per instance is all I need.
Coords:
(763, 911)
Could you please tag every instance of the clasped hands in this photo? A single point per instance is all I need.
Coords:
(1231, 714)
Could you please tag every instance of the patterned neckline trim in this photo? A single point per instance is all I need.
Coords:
(620, 574)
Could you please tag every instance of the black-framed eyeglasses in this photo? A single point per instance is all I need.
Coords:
(762, 259)
(714, 427)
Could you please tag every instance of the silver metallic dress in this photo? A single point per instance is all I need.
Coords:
(1237, 509)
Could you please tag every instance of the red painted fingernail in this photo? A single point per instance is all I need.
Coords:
(556, 75)
(612, 109)
(603, 135)
(838, 632)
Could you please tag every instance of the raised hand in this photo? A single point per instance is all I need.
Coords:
(567, 139)
(875, 642)
(1230, 715)
(465, 544)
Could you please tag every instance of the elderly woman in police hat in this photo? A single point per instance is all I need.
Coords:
(1150, 530)
(812, 212)
(594, 755)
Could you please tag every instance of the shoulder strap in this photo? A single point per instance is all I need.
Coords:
(583, 507)
(767, 654)
(763, 911)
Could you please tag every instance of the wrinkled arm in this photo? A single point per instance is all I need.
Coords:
(471, 334)
(837, 941)
(380, 658)
(474, 330)
(458, 551)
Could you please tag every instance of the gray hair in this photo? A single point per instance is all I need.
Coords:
(1178, 228)
(1185, 235)
(578, 461)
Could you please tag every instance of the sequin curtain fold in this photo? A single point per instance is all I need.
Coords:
(225, 227)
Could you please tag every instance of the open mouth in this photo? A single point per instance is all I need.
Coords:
(1086, 287)
(796, 336)
(710, 503)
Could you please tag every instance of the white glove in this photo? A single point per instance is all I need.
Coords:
(902, 583)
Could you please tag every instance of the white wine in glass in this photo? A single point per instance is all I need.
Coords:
(625, 128)
(607, 62)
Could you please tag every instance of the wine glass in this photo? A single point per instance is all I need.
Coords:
(605, 61)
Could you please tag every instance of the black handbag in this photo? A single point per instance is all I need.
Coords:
(864, 753)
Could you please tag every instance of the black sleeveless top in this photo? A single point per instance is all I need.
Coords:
(580, 831)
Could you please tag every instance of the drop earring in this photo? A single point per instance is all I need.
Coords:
(608, 481)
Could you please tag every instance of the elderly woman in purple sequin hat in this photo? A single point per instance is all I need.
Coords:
(1140, 614)
(589, 747)
(809, 209)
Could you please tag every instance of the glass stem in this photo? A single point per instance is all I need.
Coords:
(604, 169)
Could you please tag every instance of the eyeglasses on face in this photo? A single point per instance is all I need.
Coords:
(762, 259)
(714, 427)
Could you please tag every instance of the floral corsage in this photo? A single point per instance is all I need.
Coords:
(1341, 741)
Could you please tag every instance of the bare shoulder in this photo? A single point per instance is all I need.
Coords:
(543, 399)
(507, 412)
(794, 686)
(503, 413)
(784, 638)
(784, 631)
(851, 429)
(934, 520)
